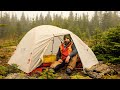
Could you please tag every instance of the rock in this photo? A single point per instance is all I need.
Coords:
(94, 67)
(99, 70)
(92, 74)
(113, 72)
(101, 62)
(16, 76)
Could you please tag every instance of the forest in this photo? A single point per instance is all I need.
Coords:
(101, 33)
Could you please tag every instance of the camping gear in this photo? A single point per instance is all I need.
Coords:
(45, 40)
(40, 68)
(49, 58)
(37, 70)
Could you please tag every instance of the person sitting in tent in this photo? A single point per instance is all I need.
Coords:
(67, 54)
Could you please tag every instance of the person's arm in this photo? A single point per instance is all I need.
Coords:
(74, 51)
(58, 54)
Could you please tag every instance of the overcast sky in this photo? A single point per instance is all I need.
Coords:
(32, 14)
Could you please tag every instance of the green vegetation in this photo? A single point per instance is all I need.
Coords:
(47, 74)
(108, 48)
(5, 70)
(7, 43)
(78, 75)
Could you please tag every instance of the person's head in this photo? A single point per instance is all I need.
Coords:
(67, 39)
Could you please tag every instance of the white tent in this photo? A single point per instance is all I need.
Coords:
(44, 40)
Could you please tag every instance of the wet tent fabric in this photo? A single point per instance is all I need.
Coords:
(45, 40)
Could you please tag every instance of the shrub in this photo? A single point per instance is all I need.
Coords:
(109, 49)
(3, 70)
(47, 74)
(13, 69)
(1, 77)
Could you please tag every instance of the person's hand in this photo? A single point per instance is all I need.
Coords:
(60, 60)
(67, 59)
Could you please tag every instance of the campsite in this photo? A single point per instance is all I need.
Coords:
(28, 50)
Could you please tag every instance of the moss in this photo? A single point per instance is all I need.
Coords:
(3, 70)
(111, 77)
(79, 76)
(2, 77)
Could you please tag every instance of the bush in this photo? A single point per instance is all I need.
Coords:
(109, 49)
(13, 69)
(1, 77)
(5, 70)
(99, 49)
(47, 74)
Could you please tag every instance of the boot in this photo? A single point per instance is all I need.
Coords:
(68, 71)
(57, 67)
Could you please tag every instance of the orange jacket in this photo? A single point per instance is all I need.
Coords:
(65, 51)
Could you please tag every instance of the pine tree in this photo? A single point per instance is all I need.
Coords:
(41, 19)
(5, 23)
(115, 20)
(70, 21)
(76, 27)
(48, 19)
(94, 23)
(57, 20)
(23, 23)
(13, 26)
(106, 20)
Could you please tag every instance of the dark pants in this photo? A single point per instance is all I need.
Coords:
(59, 66)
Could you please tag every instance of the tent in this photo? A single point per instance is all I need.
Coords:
(44, 40)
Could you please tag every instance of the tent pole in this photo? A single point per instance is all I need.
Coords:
(60, 39)
(52, 46)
